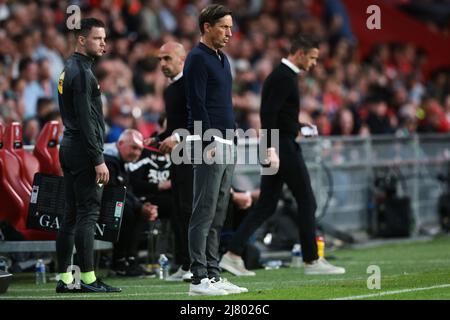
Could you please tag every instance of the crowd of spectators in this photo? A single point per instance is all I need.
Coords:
(383, 93)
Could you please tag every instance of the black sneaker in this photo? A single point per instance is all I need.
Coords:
(98, 286)
(136, 270)
(120, 267)
(61, 287)
(130, 268)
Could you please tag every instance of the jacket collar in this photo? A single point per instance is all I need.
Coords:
(83, 58)
(207, 49)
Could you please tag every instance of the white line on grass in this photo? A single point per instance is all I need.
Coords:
(385, 293)
(93, 295)
(153, 286)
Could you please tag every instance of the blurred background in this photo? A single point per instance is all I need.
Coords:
(389, 81)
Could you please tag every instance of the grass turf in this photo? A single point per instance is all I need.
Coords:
(417, 270)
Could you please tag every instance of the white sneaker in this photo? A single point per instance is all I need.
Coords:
(187, 277)
(226, 285)
(234, 265)
(180, 275)
(205, 288)
(322, 266)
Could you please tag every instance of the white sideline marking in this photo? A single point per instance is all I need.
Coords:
(385, 293)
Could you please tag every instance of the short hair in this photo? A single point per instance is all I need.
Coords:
(86, 26)
(304, 43)
(24, 63)
(42, 102)
(212, 14)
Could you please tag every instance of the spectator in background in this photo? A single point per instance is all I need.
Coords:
(30, 131)
(47, 50)
(150, 177)
(379, 121)
(45, 106)
(447, 107)
(408, 121)
(45, 80)
(433, 118)
(344, 124)
(136, 212)
(263, 28)
(121, 120)
(321, 120)
(145, 76)
(28, 70)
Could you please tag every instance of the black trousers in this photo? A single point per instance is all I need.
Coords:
(82, 209)
(182, 190)
(166, 213)
(131, 231)
(294, 173)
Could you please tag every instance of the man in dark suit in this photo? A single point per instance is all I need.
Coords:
(280, 104)
(172, 56)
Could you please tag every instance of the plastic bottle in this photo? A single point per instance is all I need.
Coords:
(320, 246)
(297, 260)
(40, 272)
(273, 264)
(163, 266)
(3, 264)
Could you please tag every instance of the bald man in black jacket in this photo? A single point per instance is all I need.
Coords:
(172, 56)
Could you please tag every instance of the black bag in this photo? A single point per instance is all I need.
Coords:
(393, 217)
(47, 206)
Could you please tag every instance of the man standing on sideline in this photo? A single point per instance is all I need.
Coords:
(280, 101)
(208, 91)
(81, 158)
(171, 58)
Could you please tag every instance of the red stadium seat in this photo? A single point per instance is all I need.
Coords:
(11, 205)
(46, 149)
(27, 162)
(17, 191)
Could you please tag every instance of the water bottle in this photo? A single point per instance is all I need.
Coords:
(3, 264)
(273, 264)
(40, 272)
(297, 260)
(163, 267)
(320, 246)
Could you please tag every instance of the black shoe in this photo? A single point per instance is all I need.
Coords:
(119, 267)
(136, 270)
(61, 287)
(130, 268)
(98, 286)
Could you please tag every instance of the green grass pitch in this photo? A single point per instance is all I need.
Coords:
(417, 270)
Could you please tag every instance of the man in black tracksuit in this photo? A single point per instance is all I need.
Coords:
(280, 102)
(81, 158)
(136, 213)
